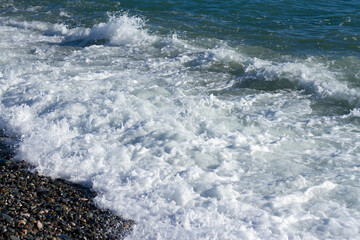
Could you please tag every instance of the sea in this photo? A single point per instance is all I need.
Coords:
(196, 119)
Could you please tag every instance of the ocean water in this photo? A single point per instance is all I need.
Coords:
(197, 119)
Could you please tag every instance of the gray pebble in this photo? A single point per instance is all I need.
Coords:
(6, 217)
(65, 237)
(12, 237)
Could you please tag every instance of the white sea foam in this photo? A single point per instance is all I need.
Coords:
(120, 30)
(165, 137)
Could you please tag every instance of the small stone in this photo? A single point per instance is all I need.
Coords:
(5, 162)
(57, 208)
(27, 215)
(30, 226)
(13, 237)
(6, 217)
(65, 237)
(39, 225)
(21, 222)
(29, 236)
(43, 192)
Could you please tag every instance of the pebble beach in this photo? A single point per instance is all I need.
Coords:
(38, 207)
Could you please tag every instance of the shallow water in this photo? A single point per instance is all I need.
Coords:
(199, 120)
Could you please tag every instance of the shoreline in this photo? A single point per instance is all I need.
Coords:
(39, 207)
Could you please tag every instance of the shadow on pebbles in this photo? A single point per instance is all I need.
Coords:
(38, 207)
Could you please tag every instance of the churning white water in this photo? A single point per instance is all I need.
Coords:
(191, 139)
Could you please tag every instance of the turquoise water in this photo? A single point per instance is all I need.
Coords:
(196, 119)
